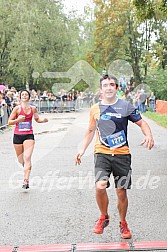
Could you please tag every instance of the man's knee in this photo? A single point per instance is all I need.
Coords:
(101, 186)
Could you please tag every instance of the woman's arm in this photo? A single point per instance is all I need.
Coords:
(13, 119)
(37, 117)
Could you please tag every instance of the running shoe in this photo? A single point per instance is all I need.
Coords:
(25, 184)
(124, 230)
(101, 223)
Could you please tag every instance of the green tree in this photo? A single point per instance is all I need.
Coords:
(117, 34)
(37, 36)
(40, 42)
(147, 9)
(7, 27)
(156, 79)
(153, 15)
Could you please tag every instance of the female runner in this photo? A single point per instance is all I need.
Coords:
(23, 139)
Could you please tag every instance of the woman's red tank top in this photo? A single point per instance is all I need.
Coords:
(25, 127)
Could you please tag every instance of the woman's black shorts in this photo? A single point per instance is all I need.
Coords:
(19, 139)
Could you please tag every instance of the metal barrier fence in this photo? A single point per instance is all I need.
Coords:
(3, 117)
(43, 106)
(54, 106)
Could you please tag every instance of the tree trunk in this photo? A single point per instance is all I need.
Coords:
(27, 85)
(136, 72)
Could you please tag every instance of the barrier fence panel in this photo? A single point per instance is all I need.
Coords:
(46, 106)
(43, 106)
(3, 117)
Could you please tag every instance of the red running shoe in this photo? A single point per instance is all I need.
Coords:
(124, 230)
(101, 223)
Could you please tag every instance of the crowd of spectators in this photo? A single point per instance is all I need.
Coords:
(139, 97)
(46, 101)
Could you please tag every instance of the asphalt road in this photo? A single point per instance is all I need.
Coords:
(60, 208)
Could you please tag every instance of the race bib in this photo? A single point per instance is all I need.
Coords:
(24, 126)
(116, 140)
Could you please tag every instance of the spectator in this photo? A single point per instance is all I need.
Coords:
(9, 101)
(142, 101)
(152, 102)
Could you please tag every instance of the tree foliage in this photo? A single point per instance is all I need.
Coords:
(134, 31)
(148, 9)
(156, 79)
(37, 36)
(117, 35)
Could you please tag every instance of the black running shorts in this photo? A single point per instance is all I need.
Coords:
(119, 165)
(19, 139)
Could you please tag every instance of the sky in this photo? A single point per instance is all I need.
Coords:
(76, 5)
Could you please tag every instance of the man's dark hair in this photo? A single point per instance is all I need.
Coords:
(108, 76)
(25, 91)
